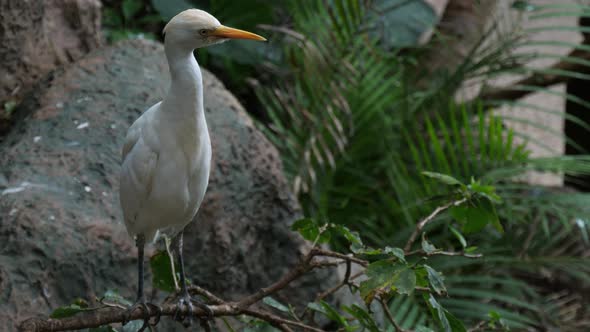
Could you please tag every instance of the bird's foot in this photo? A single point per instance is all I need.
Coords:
(146, 309)
(185, 311)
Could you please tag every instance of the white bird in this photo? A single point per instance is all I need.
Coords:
(167, 150)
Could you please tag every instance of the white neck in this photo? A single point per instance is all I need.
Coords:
(185, 97)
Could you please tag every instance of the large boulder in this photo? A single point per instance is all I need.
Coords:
(38, 36)
(61, 231)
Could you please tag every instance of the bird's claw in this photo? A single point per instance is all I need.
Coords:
(185, 304)
(146, 309)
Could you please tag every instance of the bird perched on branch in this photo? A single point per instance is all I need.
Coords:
(167, 150)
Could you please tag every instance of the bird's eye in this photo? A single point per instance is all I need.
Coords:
(203, 32)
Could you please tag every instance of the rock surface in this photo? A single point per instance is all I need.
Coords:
(38, 36)
(61, 232)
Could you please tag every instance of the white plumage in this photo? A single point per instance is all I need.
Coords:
(167, 150)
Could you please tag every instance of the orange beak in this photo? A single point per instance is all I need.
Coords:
(227, 32)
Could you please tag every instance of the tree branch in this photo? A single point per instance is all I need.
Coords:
(443, 253)
(390, 316)
(420, 226)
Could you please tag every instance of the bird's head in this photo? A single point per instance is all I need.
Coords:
(196, 28)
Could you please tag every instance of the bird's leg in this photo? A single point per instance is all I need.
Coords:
(140, 301)
(185, 298)
(169, 251)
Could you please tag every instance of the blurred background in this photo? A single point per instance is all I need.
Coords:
(360, 96)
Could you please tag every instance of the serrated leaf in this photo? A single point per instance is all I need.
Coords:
(130, 8)
(66, 311)
(443, 178)
(162, 277)
(436, 280)
(275, 304)
(458, 235)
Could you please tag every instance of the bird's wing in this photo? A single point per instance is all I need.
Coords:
(134, 132)
(137, 174)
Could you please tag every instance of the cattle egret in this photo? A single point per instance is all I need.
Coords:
(167, 150)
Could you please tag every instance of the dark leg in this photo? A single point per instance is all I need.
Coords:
(185, 299)
(140, 243)
(140, 300)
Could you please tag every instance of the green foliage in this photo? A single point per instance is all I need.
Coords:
(130, 19)
(446, 320)
(356, 136)
(67, 311)
(275, 304)
(162, 275)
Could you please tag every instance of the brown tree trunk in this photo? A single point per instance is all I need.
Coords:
(460, 28)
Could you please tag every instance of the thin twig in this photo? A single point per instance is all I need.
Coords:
(420, 226)
(443, 253)
(390, 316)
(324, 252)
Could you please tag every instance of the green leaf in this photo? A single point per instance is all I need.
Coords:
(307, 227)
(384, 275)
(423, 329)
(316, 307)
(130, 8)
(275, 304)
(363, 317)
(486, 191)
(352, 237)
(428, 247)
(162, 277)
(132, 326)
(405, 283)
(436, 280)
(458, 235)
(475, 215)
(113, 297)
(66, 311)
(447, 321)
(446, 179)
(10, 106)
(396, 252)
(328, 311)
